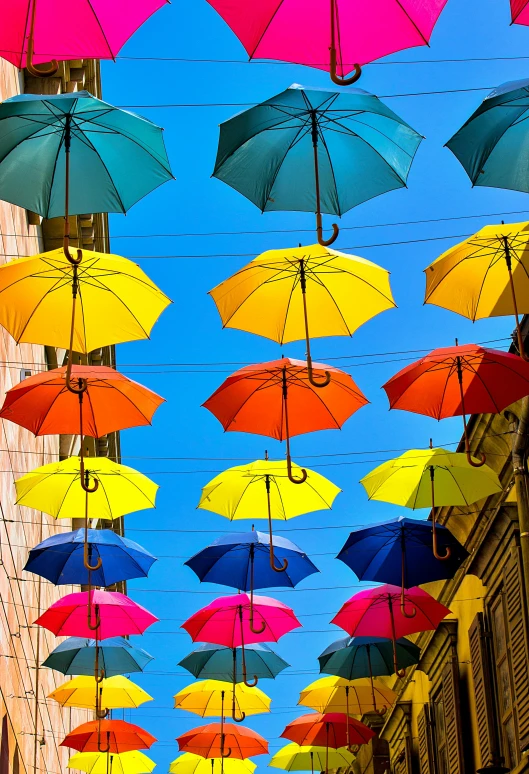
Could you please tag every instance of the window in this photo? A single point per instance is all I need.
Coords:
(504, 682)
(439, 732)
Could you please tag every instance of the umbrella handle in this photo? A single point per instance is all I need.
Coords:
(319, 232)
(303, 285)
(446, 555)
(465, 430)
(100, 676)
(319, 225)
(353, 748)
(233, 709)
(335, 78)
(471, 461)
(44, 71)
(89, 618)
(312, 379)
(291, 475)
(519, 337)
(225, 754)
(287, 435)
(103, 749)
(102, 714)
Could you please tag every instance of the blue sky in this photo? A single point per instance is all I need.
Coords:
(186, 447)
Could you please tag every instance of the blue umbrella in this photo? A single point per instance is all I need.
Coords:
(314, 150)
(400, 552)
(492, 144)
(116, 655)
(356, 657)
(59, 558)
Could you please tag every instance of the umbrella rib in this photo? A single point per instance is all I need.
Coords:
(265, 30)
(280, 165)
(490, 152)
(491, 263)
(406, 14)
(102, 30)
(320, 131)
(124, 209)
(290, 296)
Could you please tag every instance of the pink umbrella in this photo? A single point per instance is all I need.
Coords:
(34, 31)
(115, 615)
(520, 12)
(230, 621)
(380, 612)
(303, 33)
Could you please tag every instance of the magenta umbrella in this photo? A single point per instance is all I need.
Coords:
(36, 31)
(238, 619)
(333, 35)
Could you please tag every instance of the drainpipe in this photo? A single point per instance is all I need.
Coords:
(520, 446)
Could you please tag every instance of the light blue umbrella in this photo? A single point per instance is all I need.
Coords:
(492, 145)
(314, 150)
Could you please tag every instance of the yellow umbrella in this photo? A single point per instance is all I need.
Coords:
(189, 763)
(263, 489)
(293, 757)
(274, 295)
(486, 275)
(209, 698)
(38, 298)
(111, 693)
(132, 762)
(354, 697)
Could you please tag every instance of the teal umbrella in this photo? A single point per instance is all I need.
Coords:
(115, 656)
(314, 150)
(492, 144)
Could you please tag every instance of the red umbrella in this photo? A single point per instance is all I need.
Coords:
(230, 621)
(217, 741)
(332, 729)
(379, 612)
(458, 381)
(120, 737)
(280, 399)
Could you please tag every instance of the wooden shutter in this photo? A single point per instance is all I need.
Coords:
(483, 699)
(454, 746)
(425, 740)
(517, 628)
(402, 761)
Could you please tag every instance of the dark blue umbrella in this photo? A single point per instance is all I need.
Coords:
(116, 656)
(59, 558)
(356, 657)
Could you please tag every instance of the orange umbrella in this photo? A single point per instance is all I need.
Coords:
(97, 402)
(222, 740)
(277, 399)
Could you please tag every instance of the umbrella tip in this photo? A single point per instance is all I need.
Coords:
(253, 527)
(431, 445)
(457, 342)
(266, 455)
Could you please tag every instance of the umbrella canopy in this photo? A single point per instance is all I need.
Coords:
(36, 300)
(43, 404)
(293, 757)
(226, 621)
(491, 144)
(133, 762)
(335, 694)
(117, 614)
(212, 698)
(115, 693)
(354, 31)
(215, 662)
(117, 735)
(55, 489)
(60, 557)
(116, 656)
(355, 657)
(400, 551)
(57, 30)
(105, 143)
(188, 763)
(213, 739)
(242, 560)
(327, 730)
(241, 492)
(314, 150)
(520, 11)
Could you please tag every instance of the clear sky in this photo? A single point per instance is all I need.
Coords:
(186, 446)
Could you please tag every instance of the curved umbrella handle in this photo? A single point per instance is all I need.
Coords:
(103, 749)
(353, 748)
(381, 710)
(319, 232)
(99, 678)
(448, 551)
(400, 673)
(312, 379)
(225, 754)
(335, 78)
(234, 716)
(43, 71)
(471, 461)
(89, 617)
(102, 714)
(82, 384)
(291, 475)
(257, 631)
(88, 566)
(253, 683)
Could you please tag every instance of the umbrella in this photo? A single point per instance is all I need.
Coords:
(59, 558)
(188, 763)
(55, 488)
(38, 298)
(215, 662)
(377, 613)
(277, 399)
(330, 730)
(228, 621)
(120, 737)
(60, 30)
(133, 762)
(116, 656)
(491, 145)
(486, 275)
(229, 741)
(112, 693)
(245, 491)
(292, 757)
(335, 694)
(520, 11)
(341, 291)
(115, 613)
(45, 405)
(459, 380)
(314, 150)
(330, 35)
(244, 560)
(208, 697)
(354, 657)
